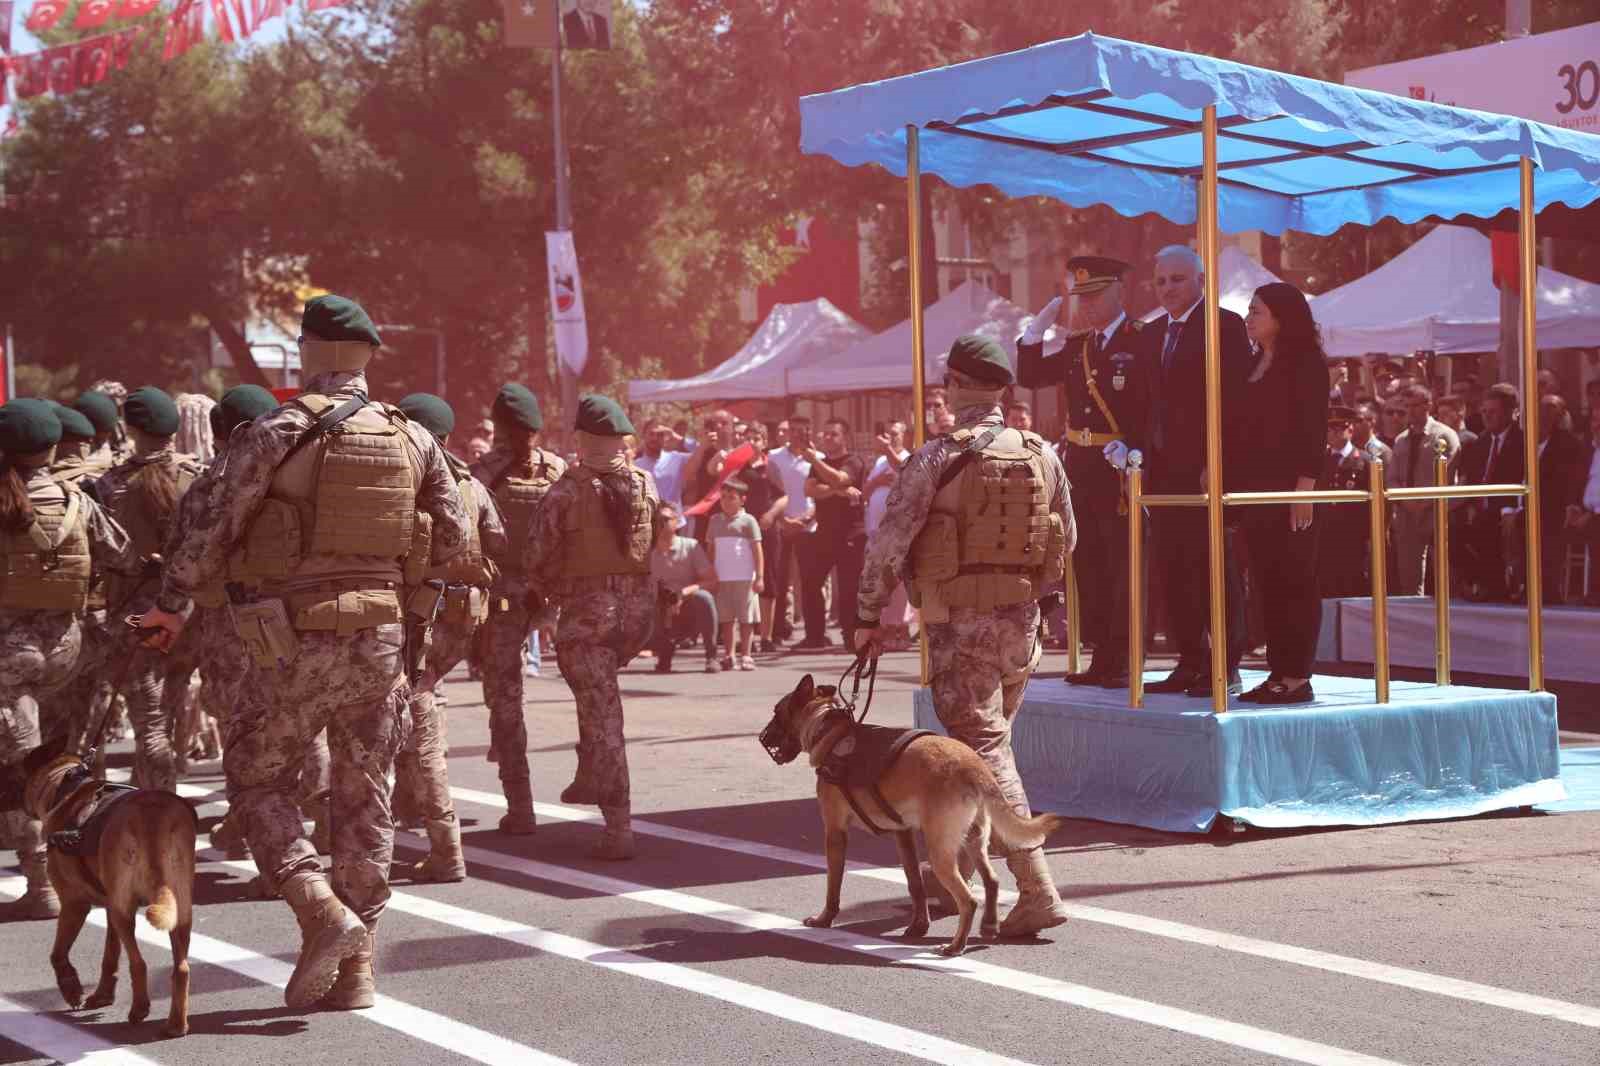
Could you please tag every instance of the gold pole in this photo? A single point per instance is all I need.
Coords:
(1530, 428)
(1074, 645)
(1441, 567)
(1135, 579)
(1380, 581)
(1208, 259)
(914, 277)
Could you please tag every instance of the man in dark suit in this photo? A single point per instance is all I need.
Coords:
(1342, 554)
(1496, 459)
(1563, 469)
(586, 24)
(1107, 372)
(1176, 464)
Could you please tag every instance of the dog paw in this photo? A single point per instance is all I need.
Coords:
(820, 921)
(176, 1029)
(138, 1012)
(917, 929)
(71, 988)
(101, 997)
(952, 949)
(990, 929)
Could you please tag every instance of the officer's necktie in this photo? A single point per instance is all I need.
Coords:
(1411, 459)
(1174, 328)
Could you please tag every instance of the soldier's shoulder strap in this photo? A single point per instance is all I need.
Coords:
(327, 416)
(971, 448)
(1033, 441)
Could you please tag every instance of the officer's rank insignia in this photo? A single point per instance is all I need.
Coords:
(1119, 381)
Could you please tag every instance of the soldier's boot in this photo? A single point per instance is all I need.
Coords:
(356, 987)
(518, 819)
(228, 837)
(934, 888)
(582, 789)
(445, 861)
(39, 901)
(329, 933)
(1039, 907)
(616, 842)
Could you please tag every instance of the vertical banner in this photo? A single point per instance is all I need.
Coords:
(8, 377)
(566, 301)
(530, 23)
(586, 24)
(6, 9)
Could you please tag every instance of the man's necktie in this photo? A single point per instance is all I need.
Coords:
(1174, 328)
(1488, 468)
(1417, 444)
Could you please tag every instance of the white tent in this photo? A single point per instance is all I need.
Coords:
(791, 335)
(1239, 277)
(884, 361)
(1439, 295)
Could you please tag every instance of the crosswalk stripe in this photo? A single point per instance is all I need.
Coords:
(60, 1040)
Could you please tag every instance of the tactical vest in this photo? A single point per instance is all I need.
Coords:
(589, 545)
(518, 490)
(470, 567)
(47, 566)
(990, 539)
(343, 508)
(149, 531)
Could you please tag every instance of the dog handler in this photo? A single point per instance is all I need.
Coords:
(328, 504)
(53, 538)
(588, 554)
(980, 544)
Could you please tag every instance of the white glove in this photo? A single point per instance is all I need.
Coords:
(1116, 454)
(1042, 321)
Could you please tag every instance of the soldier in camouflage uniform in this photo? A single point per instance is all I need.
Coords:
(42, 596)
(142, 495)
(976, 578)
(116, 447)
(518, 473)
(420, 767)
(588, 556)
(330, 503)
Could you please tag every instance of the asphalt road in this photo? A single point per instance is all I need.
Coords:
(1439, 944)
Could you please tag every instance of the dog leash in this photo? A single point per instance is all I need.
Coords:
(863, 665)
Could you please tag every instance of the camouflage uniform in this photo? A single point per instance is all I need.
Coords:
(604, 621)
(505, 635)
(157, 686)
(352, 686)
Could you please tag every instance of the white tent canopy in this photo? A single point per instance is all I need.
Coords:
(1239, 276)
(791, 335)
(883, 361)
(1439, 295)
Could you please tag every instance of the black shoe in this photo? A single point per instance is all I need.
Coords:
(1255, 694)
(663, 668)
(1277, 695)
(1202, 686)
(814, 644)
(1180, 680)
(1114, 678)
(1090, 676)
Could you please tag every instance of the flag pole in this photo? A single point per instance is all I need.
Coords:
(10, 358)
(567, 379)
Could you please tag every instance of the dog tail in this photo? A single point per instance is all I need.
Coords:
(1016, 831)
(163, 912)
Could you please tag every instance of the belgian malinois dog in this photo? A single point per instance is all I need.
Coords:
(937, 785)
(138, 853)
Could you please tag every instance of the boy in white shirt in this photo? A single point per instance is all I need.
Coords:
(733, 540)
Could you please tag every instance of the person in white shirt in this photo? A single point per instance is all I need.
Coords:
(892, 455)
(789, 466)
(662, 462)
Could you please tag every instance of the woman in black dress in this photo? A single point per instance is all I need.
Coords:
(1276, 444)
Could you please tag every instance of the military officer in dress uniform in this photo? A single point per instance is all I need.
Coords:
(1342, 553)
(1107, 373)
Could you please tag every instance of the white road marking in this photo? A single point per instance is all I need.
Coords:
(1399, 976)
(62, 1041)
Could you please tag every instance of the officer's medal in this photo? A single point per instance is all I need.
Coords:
(1119, 379)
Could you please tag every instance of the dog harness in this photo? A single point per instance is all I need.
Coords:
(83, 840)
(859, 759)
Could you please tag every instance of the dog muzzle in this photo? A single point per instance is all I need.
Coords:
(783, 747)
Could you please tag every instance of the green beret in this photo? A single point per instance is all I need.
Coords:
(519, 406)
(73, 424)
(241, 404)
(99, 409)
(603, 416)
(430, 412)
(151, 410)
(28, 427)
(334, 318)
(981, 359)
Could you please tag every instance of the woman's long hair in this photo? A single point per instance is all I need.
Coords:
(16, 511)
(158, 490)
(1298, 335)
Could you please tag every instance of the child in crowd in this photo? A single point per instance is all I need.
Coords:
(733, 539)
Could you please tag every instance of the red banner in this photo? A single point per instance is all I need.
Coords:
(132, 9)
(45, 14)
(1505, 260)
(92, 14)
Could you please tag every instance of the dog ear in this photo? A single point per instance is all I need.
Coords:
(805, 689)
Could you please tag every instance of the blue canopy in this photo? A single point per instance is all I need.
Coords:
(1096, 120)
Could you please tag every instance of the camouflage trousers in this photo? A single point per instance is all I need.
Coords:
(605, 621)
(421, 770)
(157, 689)
(979, 664)
(505, 649)
(38, 650)
(352, 687)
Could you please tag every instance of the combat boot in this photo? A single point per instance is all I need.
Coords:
(328, 934)
(39, 901)
(518, 819)
(444, 861)
(616, 842)
(356, 988)
(1039, 907)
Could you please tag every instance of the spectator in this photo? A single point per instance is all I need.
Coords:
(704, 468)
(1581, 522)
(733, 539)
(1019, 415)
(1563, 470)
(1363, 434)
(1341, 390)
(766, 502)
(1393, 422)
(1591, 396)
(477, 448)
(685, 582)
(664, 463)
(1496, 459)
(937, 416)
(780, 433)
(1448, 409)
(790, 466)
(1342, 544)
(1465, 388)
(1413, 468)
(681, 440)
(892, 455)
(841, 539)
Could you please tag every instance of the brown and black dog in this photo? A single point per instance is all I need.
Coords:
(937, 784)
(139, 854)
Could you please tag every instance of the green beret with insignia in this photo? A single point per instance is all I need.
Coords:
(430, 412)
(603, 416)
(519, 406)
(981, 359)
(73, 424)
(151, 410)
(335, 318)
(28, 427)
(240, 404)
(99, 408)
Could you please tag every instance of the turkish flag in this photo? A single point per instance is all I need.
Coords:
(62, 64)
(33, 76)
(93, 60)
(45, 14)
(132, 9)
(6, 7)
(736, 461)
(1505, 260)
(123, 42)
(186, 27)
(92, 14)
